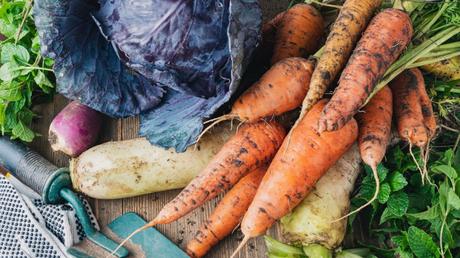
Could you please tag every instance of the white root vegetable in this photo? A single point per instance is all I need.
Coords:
(311, 222)
(130, 168)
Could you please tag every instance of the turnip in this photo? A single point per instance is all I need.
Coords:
(75, 129)
(134, 167)
(312, 221)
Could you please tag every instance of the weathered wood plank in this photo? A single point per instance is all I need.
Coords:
(149, 205)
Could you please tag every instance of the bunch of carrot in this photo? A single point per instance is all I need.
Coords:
(268, 175)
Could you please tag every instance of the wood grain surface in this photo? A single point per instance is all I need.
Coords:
(149, 205)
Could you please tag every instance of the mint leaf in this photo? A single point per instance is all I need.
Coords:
(10, 91)
(453, 199)
(42, 81)
(22, 132)
(421, 244)
(397, 181)
(9, 71)
(384, 193)
(398, 204)
(386, 215)
(430, 214)
(10, 52)
(446, 170)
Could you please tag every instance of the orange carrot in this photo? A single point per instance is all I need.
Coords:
(346, 30)
(425, 102)
(281, 89)
(385, 38)
(269, 30)
(408, 109)
(252, 146)
(295, 170)
(299, 33)
(227, 215)
(374, 134)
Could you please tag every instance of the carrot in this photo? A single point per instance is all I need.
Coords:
(351, 21)
(374, 135)
(280, 89)
(414, 113)
(298, 33)
(295, 170)
(227, 215)
(269, 30)
(408, 109)
(252, 146)
(429, 118)
(385, 38)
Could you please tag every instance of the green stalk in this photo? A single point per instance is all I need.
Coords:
(421, 49)
(434, 60)
(437, 53)
(432, 21)
(413, 55)
(449, 45)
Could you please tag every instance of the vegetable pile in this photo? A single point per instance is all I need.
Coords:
(390, 72)
(301, 186)
(26, 76)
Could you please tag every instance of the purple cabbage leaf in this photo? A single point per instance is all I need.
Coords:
(87, 67)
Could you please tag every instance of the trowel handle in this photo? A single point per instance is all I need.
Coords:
(33, 170)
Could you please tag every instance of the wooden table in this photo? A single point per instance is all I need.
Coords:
(149, 205)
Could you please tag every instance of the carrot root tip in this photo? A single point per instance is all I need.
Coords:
(135, 232)
(240, 246)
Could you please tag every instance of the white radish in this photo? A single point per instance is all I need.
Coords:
(134, 167)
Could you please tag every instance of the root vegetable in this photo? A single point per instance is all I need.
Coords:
(311, 222)
(295, 170)
(75, 129)
(134, 167)
(227, 215)
(298, 33)
(448, 69)
(408, 109)
(375, 134)
(387, 35)
(252, 146)
(281, 89)
(346, 30)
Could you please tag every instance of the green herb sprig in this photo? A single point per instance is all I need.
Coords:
(25, 76)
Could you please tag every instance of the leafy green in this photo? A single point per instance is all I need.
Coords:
(25, 76)
(415, 216)
(421, 243)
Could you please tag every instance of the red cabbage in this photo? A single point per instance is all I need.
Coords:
(174, 61)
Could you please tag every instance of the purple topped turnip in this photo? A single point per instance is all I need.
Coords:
(75, 129)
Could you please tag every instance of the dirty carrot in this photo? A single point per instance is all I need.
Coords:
(351, 21)
(252, 146)
(408, 109)
(295, 170)
(374, 135)
(298, 33)
(429, 118)
(387, 35)
(281, 89)
(227, 215)
(269, 30)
